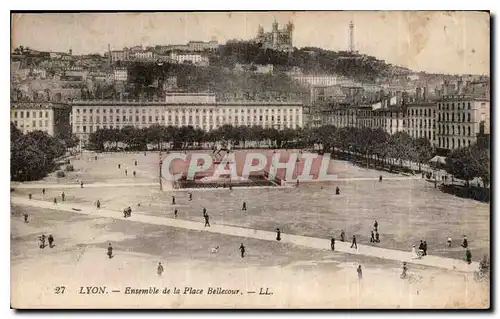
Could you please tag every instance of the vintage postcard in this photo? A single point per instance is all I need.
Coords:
(286, 160)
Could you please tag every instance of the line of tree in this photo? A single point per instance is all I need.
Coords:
(374, 145)
(32, 155)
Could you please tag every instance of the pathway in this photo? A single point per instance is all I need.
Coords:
(311, 242)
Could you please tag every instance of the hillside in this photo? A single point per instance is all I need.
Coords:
(362, 68)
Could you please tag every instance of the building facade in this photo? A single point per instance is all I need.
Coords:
(47, 117)
(421, 120)
(460, 119)
(196, 59)
(183, 109)
(120, 74)
(277, 39)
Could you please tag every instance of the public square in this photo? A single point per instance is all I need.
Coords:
(408, 209)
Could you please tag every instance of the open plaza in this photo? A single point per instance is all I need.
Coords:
(299, 270)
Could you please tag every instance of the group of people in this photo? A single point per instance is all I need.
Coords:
(422, 250)
(126, 171)
(42, 239)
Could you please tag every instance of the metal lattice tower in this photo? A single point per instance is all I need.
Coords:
(351, 37)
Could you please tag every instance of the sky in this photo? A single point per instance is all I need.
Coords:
(433, 41)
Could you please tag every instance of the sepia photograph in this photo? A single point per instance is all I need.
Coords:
(250, 160)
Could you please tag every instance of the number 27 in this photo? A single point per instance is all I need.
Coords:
(59, 290)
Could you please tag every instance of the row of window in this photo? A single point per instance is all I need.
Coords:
(420, 112)
(22, 114)
(425, 134)
(197, 118)
(448, 143)
(448, 106)
(420, 123)
(445, 130)
(441, 117)
(41, 124)
(157, 111)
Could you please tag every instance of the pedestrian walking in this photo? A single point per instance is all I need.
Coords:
(425, 248)
(468, 256)
(242, 250)
(377, 237)
(342, 235)
(332, 243)
(126, 172)
(449, 242)
(119, 166)
(135, 163)
(43, 191)
(173, 200)
(354, 244)
(421, 246)
(175, 213)
(375, 225)
(204, 211)
(278, 234)
(337, 191)
(42, 241)
(81, 184)
(110, 251)
(465, 243)
(25, 217)
(95, 157)
(55, 200)
(372, 238)
(63, 196)
(207, 220)
(405, 269)
(134, 173)
(190, 196)
(159, 269)
(380, 178)
(360, 272)
(29, 195)
(98, 204)
(244, 206)
(297, 185)
(51, 241)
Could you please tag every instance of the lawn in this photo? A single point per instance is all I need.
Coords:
(407, 210)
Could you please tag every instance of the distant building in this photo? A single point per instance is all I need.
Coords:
(200, 110)
(277, 39)
(198, 46)
(196, 59)
(48, 117)
(120, 74)
(421, 120)
(460, 118)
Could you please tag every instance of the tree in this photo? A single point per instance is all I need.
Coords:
(423, 151)
(463, 163)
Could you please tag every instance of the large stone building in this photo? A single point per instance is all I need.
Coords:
(421, 120)
(47, 117)
(277, 39)
(199, 110)
(460, 118)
